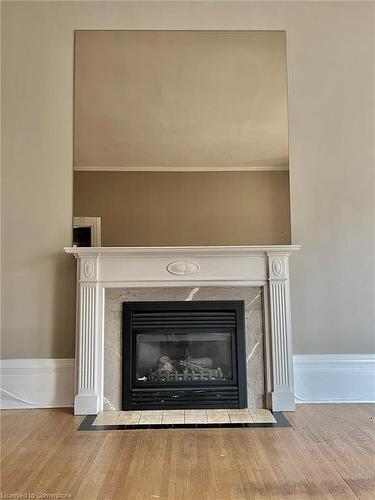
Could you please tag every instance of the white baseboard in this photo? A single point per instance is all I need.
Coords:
(36, 383)
(334, 378)
(319, 378)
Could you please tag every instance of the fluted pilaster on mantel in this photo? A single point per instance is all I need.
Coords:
(282, 385)
(88, 398)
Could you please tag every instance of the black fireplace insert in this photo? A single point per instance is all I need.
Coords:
(184, 355)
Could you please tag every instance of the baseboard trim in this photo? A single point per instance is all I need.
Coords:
(319, 378)
(36, 383)
(334, 378)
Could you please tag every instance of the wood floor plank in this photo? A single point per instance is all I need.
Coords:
(328, 453)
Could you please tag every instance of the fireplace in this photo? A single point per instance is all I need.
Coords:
(100, 269)
(184, 355)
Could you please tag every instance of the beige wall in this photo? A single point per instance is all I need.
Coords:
(186, 208)
(330, 49)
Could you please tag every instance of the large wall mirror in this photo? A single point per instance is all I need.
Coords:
(181, 137)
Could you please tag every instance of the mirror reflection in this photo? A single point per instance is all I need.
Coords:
(180, 138)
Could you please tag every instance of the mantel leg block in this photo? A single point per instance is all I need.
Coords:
(86, 404)
(283, 400)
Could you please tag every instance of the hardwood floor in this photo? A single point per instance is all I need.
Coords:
(329, 453)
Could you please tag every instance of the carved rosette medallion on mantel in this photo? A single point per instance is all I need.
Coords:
(183, 268)
(100, 268)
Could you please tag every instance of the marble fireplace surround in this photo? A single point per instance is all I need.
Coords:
(114, 298)
(102, 268)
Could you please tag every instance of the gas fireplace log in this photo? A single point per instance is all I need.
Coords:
(189, 374)
(193, 366)
(205, 362)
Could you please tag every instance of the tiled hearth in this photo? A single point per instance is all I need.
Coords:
(184, 417)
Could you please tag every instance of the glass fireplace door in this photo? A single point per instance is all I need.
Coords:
(184, 357)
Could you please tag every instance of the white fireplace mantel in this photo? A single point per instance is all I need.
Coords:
(114, 267)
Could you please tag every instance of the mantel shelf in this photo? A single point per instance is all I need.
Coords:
(197, 251)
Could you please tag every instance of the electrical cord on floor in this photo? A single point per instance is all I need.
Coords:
(17, 397)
